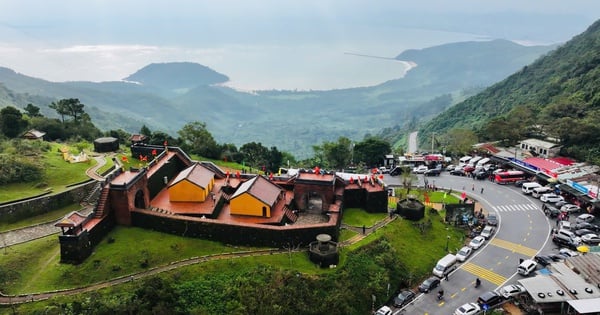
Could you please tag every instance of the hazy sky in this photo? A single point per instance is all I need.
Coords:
(264, 44)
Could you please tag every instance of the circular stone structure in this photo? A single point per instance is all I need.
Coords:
(324, 251)
(411, 209)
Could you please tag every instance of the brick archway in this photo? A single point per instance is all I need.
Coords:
(140, 200)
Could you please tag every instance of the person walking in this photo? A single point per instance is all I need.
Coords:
(482, 190)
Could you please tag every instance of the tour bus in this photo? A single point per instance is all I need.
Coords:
(464, 160)
(508, 177)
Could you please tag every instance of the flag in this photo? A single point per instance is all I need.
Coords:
(271, 176)
(237, 174)
(165, 143)
(154, 152)
(124, 159)
(351, 180)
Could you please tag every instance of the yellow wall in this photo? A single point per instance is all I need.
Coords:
(246, 204)
(185, 191)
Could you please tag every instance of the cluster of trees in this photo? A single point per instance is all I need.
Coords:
(74, 124)
(259, 290)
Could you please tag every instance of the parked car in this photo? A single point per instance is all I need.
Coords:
(543, 260)
(398, 170)
(551, 198)
(420, 169)
(582, 232)
(511, 290)
(590, 239)
(384, 170)
(384, 310)
(527, 267)
(586, 217)
(490, 299)
(550, 210)
(481, 174)
(574, 238)
(468, 169)
(476, 242)
(458, 172)
(585, 225)
(429, 284)
(404, 298)
(433, 172)
(450, 167)
(567, 252)
(464, 253)
(487, 231)
(492, 219)
(562, 240)
(468, 309)
(559, 204)
(570, 208)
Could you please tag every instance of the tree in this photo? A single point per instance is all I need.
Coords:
(372, 151)
(255, 154)
(32, 110)
(338, 154)
(11, 122)
(460, 140)
(69, 107)
(195, 138)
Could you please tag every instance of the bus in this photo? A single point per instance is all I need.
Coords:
(508, 177)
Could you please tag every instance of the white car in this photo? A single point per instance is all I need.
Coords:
(420, 169)
(586, 217)
(487, 231)
(476, 242)
(468, 309)
(570, 208)
(384, 310)
(590, 238)
(567, 252)
(464, 253)
(511, 290)
(551, 198)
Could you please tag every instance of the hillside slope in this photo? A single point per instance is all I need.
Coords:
(560, 90)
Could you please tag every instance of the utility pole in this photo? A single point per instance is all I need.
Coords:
(432, 141)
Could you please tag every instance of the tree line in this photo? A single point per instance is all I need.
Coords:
(75, 125)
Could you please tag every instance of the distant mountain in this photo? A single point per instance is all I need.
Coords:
(559, 93)
(169, 95)
(177, 75)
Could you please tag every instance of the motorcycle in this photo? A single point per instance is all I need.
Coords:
(440, 295)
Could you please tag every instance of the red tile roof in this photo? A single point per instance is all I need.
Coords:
(196, 174)
(73, 219)
(543, 163)
(137, 138)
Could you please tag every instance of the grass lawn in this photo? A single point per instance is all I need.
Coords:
(358, 217)
(50, 216)
(57, 175)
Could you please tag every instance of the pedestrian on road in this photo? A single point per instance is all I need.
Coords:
(473, 187)
(446, 277)
(482, 190)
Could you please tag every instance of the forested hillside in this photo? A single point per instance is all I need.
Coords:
(557, 96)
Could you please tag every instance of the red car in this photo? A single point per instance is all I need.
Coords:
(468, 169)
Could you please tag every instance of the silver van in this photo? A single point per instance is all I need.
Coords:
(527, 188)
(445, 266)
(539, 191)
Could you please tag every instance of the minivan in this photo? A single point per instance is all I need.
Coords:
(526, 267)
(539, 191)
(527, 188)
(445, 266)
(490, 299)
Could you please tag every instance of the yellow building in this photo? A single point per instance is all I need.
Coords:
(255, 197)
(193, 184)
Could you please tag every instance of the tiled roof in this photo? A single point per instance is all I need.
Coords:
(261, 188)
(137, 138)
(196, 174)
(71, 220)
(33, 133)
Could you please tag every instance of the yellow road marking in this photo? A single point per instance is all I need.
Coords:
(484, 273)
(514, 247)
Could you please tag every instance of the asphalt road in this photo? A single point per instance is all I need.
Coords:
(522, 232)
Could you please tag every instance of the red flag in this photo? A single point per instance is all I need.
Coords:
(124, 159)
(237, 174)
(380, 176)
(145, 158)
(351, 180)
(227, 173)
(317, 170)
(165, 143)
(154, 152)
(463, 195)
(271, 176)
(374, 170)
(141, 158)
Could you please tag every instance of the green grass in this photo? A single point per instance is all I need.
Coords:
(358, 217)
(49, 216)
(57, 175)
(346, 234)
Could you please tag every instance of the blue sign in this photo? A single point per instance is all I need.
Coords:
(579, 187)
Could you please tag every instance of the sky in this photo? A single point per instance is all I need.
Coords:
(265, 44)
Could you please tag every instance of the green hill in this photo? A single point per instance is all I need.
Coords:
(557, 96)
